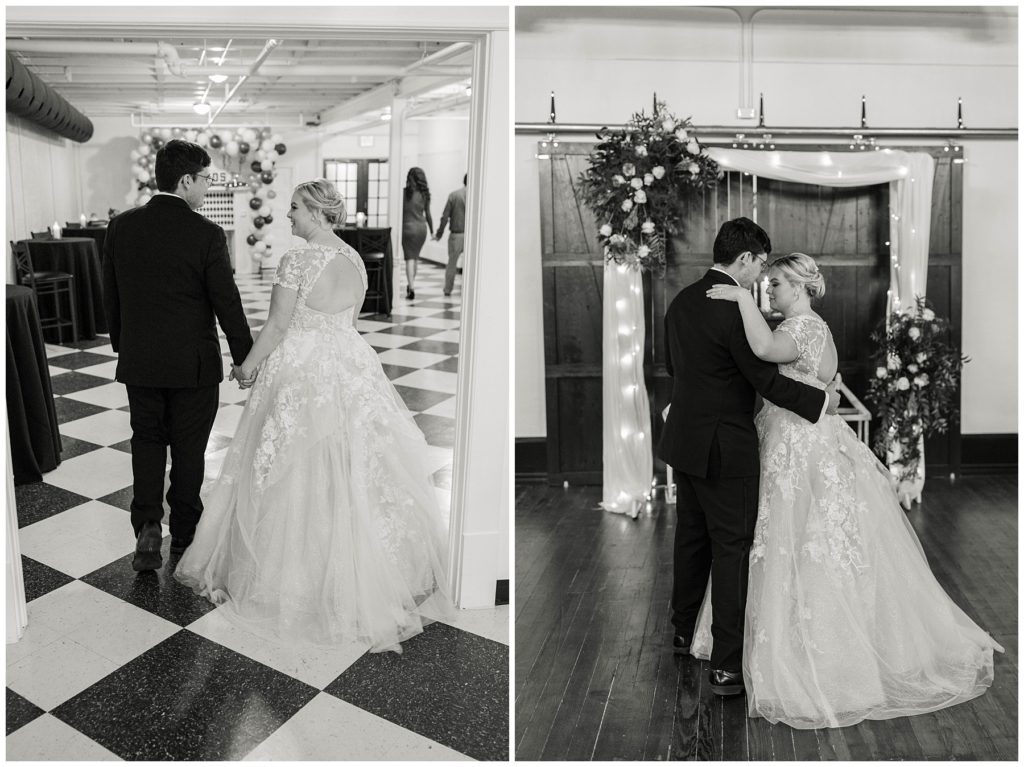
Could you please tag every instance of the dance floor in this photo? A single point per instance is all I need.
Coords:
(119, 666)
(596, 677)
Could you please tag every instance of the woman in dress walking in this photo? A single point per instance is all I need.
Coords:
(416, 222)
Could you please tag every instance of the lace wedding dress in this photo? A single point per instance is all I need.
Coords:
(323, 524)
(844, 619)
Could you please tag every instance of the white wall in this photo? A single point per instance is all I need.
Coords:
(813, 67)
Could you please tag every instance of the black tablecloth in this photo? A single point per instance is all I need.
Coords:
(95, 233)
(77, 256)
(31, 415)
(367, 239)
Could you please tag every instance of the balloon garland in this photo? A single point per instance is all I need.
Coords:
(249, 155)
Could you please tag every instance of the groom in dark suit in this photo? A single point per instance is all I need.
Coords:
(710, 441)
(166, 275)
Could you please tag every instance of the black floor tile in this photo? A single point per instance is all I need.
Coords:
(88, 343)
(40, 579)
(122, 498)
(124, 447)
(439, 430)
(72, 409)
(155, 591)
(410, 330)
(448, 685)
(255, 323)
(69, 383)
(450, 365)
(437, 303)
(71, 447)
(448, 315)
(396, 371)
(186, 698)
(418, 400)
(255, 310)
(39, 500)
(20, 711)
(434, 347)
(79, 360)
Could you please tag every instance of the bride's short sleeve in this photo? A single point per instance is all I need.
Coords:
(289, 272)
(808, 335)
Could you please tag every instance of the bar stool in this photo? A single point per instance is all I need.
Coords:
(53, 285)
(376, 285)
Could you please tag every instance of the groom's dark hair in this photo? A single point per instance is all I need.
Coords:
(178, 158)
(738, 236)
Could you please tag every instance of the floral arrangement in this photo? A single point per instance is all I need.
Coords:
(915, 385)
(636, 180)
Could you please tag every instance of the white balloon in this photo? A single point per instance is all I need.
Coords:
(266, 145)
(135, 154)
(191, 134)
(232, 148)
(261, 155)
(225, 136)
(269, 239)
(203, 138)
(260, 234)
(144, 177)
(147, 137)
(265, 211)
(277, 138)
(259, 247)
(272, 157)
(248, 135)
(146, 149)
(165, 133)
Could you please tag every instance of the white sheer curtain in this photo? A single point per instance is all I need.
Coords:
(627, 450)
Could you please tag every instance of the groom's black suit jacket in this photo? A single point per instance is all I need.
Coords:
(715, 375)
(166, 276)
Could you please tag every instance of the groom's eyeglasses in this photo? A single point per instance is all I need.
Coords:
(201, 175)
(762, 259)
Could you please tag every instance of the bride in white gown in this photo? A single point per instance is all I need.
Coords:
(323, 524)
(844, 619)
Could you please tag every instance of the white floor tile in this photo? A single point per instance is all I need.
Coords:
(445, 408)
(93, 474)
(57, 672)
(313, 665)
(410, 358)
(47, 738)
(418, 311)
(112, 395)
(106, 428)
(434, 380)
(229, 392)
(106, 350)
(451, 336)
(52, 350)
(438, 458)
(103, 370)
(369, 326)
(433, 322)
(328, 729)
(389, 340)
(79, 540)
(227, 420)
(490, 622)
(36, 636)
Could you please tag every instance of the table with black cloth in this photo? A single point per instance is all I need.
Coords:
(31, 415)
(78, 257)
(367, 239)
(97, 233)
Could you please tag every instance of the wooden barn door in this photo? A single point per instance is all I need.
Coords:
(845, 230)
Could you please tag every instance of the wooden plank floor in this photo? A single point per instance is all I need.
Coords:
(596, 677)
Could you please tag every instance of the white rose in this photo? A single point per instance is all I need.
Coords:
(618, 180)
(648, 179)
(643, 251)
(693, 168)
(640, 196)
(668, 125)
(928, 314)
(914, 333)
(627, 205)
(693, 147)
(658, 171)
(629, 169)
(606, 230)
(902, 383)
(921, 357)
(636, 182)
(881, 372)
(894, 362)
(921, 380)
(912, 367)
(641, 151)
(682, 135)
(647, 227)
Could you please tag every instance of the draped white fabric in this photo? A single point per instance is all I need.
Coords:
(909, 175)
(627, 449)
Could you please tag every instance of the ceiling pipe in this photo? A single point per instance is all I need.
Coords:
(267, 50)
(742, 133)
(29, 97)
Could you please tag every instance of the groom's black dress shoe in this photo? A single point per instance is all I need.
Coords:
(147, 548)
(680, 644)
(726, 682)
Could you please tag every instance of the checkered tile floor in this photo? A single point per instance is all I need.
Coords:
(119, 666)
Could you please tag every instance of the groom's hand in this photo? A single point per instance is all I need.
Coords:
(833, 399)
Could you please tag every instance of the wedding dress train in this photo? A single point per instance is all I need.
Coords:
(844, 619)
(323, 524)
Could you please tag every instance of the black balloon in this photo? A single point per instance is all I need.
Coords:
(255, 203)
(280, 148)
(258, 222)
(268, 219)
(256, 167)
(251, 239)
(215, 141)
(267, 177)
(243, 147)
(157, 143)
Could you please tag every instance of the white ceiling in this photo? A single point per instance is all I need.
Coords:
(155, 76)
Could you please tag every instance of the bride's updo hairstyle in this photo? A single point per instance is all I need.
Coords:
(800, 269)
(320, 195)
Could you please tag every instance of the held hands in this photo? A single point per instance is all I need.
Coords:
(245, 378)
(729, 293)
(833, 396)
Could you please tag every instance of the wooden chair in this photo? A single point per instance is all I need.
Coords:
(50, 285)
(42, 235)
(376, 281)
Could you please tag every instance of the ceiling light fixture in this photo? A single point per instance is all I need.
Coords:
(201, 108)
(217, 78)
(386, 116)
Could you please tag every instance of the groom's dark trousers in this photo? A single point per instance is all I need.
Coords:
(710, 441)
(167, 280)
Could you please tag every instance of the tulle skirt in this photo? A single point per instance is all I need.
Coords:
(844, 619)
(323, 525)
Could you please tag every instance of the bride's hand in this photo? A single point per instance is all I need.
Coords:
(728, 293)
